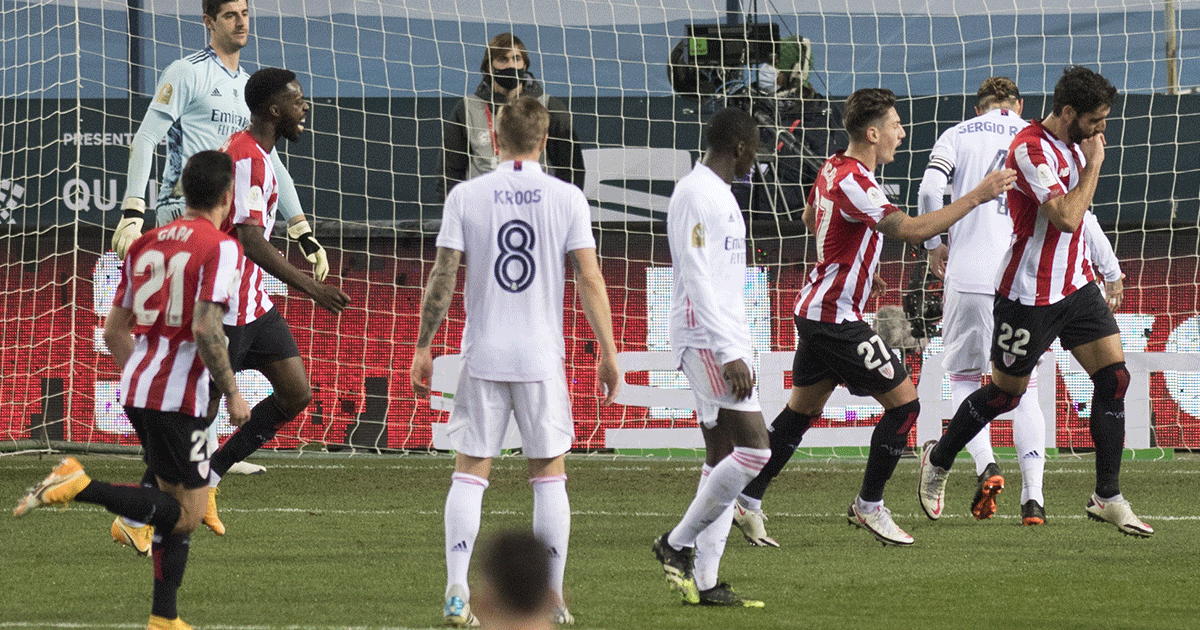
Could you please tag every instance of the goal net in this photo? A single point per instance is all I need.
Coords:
(640, 81)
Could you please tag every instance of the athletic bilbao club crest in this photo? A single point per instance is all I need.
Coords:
(1009, 358)
(887, 371)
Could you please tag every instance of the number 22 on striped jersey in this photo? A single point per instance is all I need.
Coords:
(153, 263)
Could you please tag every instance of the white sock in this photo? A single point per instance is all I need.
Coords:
(464, 503)
(867, 506)
(750, 503)
(724, 483)
(980, 446)
(1029, 436)
(552, 523)
(710, 546)
(213, 443)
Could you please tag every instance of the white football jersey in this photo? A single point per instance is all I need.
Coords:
(964, 155)
(515, 226)
(707, 236)
(207, 103)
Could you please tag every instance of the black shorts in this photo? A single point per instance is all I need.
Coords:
(176, 445)
(261, 342)
(850, 353)
(1022, 333)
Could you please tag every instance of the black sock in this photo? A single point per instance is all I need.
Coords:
(980, 408)
(170, 559)
(265, 419)
(888, 441)
(138, 503)
(1107, 426)
(786, 432)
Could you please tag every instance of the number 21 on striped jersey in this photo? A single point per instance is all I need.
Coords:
(153, 263)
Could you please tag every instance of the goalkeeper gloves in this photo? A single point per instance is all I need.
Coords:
(130, 227)
(302, 233)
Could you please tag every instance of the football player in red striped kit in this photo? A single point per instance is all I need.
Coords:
(1047, 290)
(849, 215)
(165, 329)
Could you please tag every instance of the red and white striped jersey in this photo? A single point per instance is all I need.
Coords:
(848, 204)
(255, 196)
(166, 272)
(1044, 264)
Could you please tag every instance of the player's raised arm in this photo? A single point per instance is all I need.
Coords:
(917, 230)
(593, 296)
(439, 291)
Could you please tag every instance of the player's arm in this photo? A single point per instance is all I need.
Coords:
(921, 228)
(439, 291)
(1065, 212)
(118, 334)
(1105, 260)
(690, 258)
(809, 217)
(214, 352)
(930, 196)
(259, 250)
(297, 226)
(153, 129)
(593, 296)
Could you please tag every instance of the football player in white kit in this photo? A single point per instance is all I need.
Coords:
(198, 103)
(961, 158)
(710, 339)
(513, 227)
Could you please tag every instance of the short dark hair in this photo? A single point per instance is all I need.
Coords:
(212, 8)
(866, 106)
(730, 126)
(207, 176)
(522, 124)
(264, 86)
(517, 565)
(1085, 91)
(996, 90)
(499, 46)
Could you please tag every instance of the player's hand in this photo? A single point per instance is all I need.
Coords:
(1114, 293)
(130, 227)
(330, 298)
(421, 371)
(879, 286)
(995, 184)
(302, 233)
(239, 411)
(1093, 149)
(739, 378)
(937, 260)
(608, 379)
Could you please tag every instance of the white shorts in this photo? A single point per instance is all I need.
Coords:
(967, 332)
(709, 388)
(482, 409)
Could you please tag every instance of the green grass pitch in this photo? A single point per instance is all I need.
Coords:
(335, 543)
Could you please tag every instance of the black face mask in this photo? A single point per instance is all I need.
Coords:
(507, 79)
